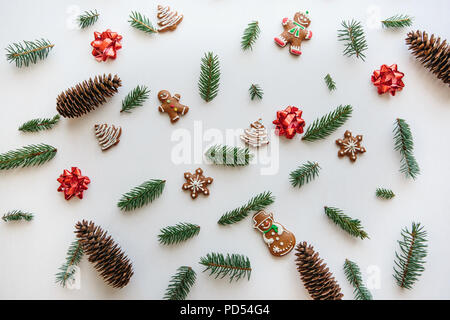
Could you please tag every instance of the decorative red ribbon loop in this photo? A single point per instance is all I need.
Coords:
(388, 79)
(73, 183)
(106, 45)
(289, 122)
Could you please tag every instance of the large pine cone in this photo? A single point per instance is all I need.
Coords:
(86, 96)
(434, 54)
(112, 263)
(314, 274)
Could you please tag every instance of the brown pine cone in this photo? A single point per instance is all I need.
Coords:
(112, 263)
(315, 275)
(431, 52)
(86, 96)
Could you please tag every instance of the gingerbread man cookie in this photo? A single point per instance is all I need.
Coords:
(350, 146)
(171, 105)
(295, 31)
(197, 183)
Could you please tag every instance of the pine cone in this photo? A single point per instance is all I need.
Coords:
(87, 96)
(112, 263)
(314, 274)
(434, 54)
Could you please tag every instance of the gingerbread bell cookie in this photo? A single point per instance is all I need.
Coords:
(171, 105)
(279, 240)
(295, 31)
(197, 183)
(350, 146)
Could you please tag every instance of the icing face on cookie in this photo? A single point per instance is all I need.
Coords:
(163, 95)
(302, 18)
(265, 225)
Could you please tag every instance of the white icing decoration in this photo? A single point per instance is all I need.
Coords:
(107, 135)
(256, 136)
(167, 18)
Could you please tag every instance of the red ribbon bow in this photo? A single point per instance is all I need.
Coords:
(105, 45)
(289, 122)
(388, 79)
(73, 183)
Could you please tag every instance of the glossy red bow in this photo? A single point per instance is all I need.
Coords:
(388, 79)
(289, 122)
(73, 183)
(106, 45)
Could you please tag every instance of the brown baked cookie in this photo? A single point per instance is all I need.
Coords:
(167, 19)
(295, 31)
(350, 146)
(197, 183)
(171, 105)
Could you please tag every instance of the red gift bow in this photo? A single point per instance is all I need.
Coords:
(73, 183)
(105, 45)
(289, 122)
(388, 79)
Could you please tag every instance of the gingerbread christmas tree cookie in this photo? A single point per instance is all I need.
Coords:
(197, 183)
(171, 105)
(350, 146)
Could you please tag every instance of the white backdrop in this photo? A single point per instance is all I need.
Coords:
(32, 252)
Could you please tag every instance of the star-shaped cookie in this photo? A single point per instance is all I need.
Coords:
(350, 146)
(197, 183)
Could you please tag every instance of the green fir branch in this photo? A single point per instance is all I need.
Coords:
(353, 275)
(28, 52)
(88, 18)
(256, 91)
(329, 123)
(39, 124)
(180, 284)
(251, 33)
(404, 144)
(178, 233)
(31, 155)
(73, 258)
(330, 82)
(256, 203)
(411, 257)
(384, 193)
(398, 21)
(352, 226)
(229, 156)
(208, 83)
(141, 22)
(304, 174)
(235, 266)
(17, 215)
(355, 41)
(141, 195)
(135, 98)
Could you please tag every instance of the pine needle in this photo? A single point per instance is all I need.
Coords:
(398, 21)
(73, 258)
(17, 215)
(178, 233)
(29, 52)
(229, 156)
(305, 173)
(384, 193)
(135, 98)
(208, 84)
(180, 284)
(353, 35)
(141, 22)
(255, 91)
(352, 226)
(251, 33)
(404, 144)
(353, 275)
(235, 266)
(31, 155)
(141, 195)
(39, 124)
(330, 82)
(88, 18)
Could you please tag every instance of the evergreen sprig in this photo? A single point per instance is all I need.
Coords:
(355, 41)
(17, 215)
(251, 33)
(88, 18)
(135, 98)
(235, 266)
(256, 91)
(304, 174)
(404, 144)
(180, 284)
(178, 233)
(398, 21)
(352, 226)
(256, 203)
(329, 123)
(141, 22)
(208, 84)
(384, 193)
(28, 52)
(229, 156)
(141, 195)
(330, 82)
(31, 155)
(73, 258)
(411, 258)
(353, 275)
(39, 124)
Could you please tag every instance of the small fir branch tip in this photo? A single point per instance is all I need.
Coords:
(208, 83)
(141, 195)
(353, 35)
(404, 144)
(352, 226)
(229, 156)
(135, 98)
(329, 123)
(304, 174)
(88, 18)
(256, 203)
(39, 124)
(251, 34)
(398, 21)
(23, 54)
(31, 155)
(384, 193)
(256, 91)
(235, 266)
(17, 215)
(330, 82)
(410, 260)
(180, 284)
(353, 275)
(141, 22)
(73, 258)
(178, 233)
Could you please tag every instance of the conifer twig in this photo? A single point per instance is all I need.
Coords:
(73, 258)
(135, 98)
(305, 173)
(353, 275)
(141, 22)
(353, 35)
(384, 193)
(17, 215)
(178, 233)
(180, 284)
(352, 226)
(404, 144)
(31, 155)
(229, 156)
(398, 21)
(29, 52)
(141, 195)
(235, 265)
(39, 124)
(208, 83)
(256, 91)
(251, 33)
(88, 18)
(330, 82)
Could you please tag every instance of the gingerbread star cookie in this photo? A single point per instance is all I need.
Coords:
(171, 105)
(350, 146)
(197, 183)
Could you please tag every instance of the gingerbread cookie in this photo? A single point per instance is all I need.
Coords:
(279, 240)
(350, 146)
(108, 136)
(171, 105)
(168, 20)
(197, 183)
(295, 31)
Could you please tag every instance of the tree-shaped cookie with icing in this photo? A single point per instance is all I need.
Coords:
(295, 31)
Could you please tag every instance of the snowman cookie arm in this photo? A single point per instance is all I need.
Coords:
(268, 241)
(280, 228)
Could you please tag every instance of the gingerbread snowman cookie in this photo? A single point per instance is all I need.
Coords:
(279, 240)
(171, 105)
(295, 31)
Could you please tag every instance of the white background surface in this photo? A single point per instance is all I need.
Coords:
(32, 252)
